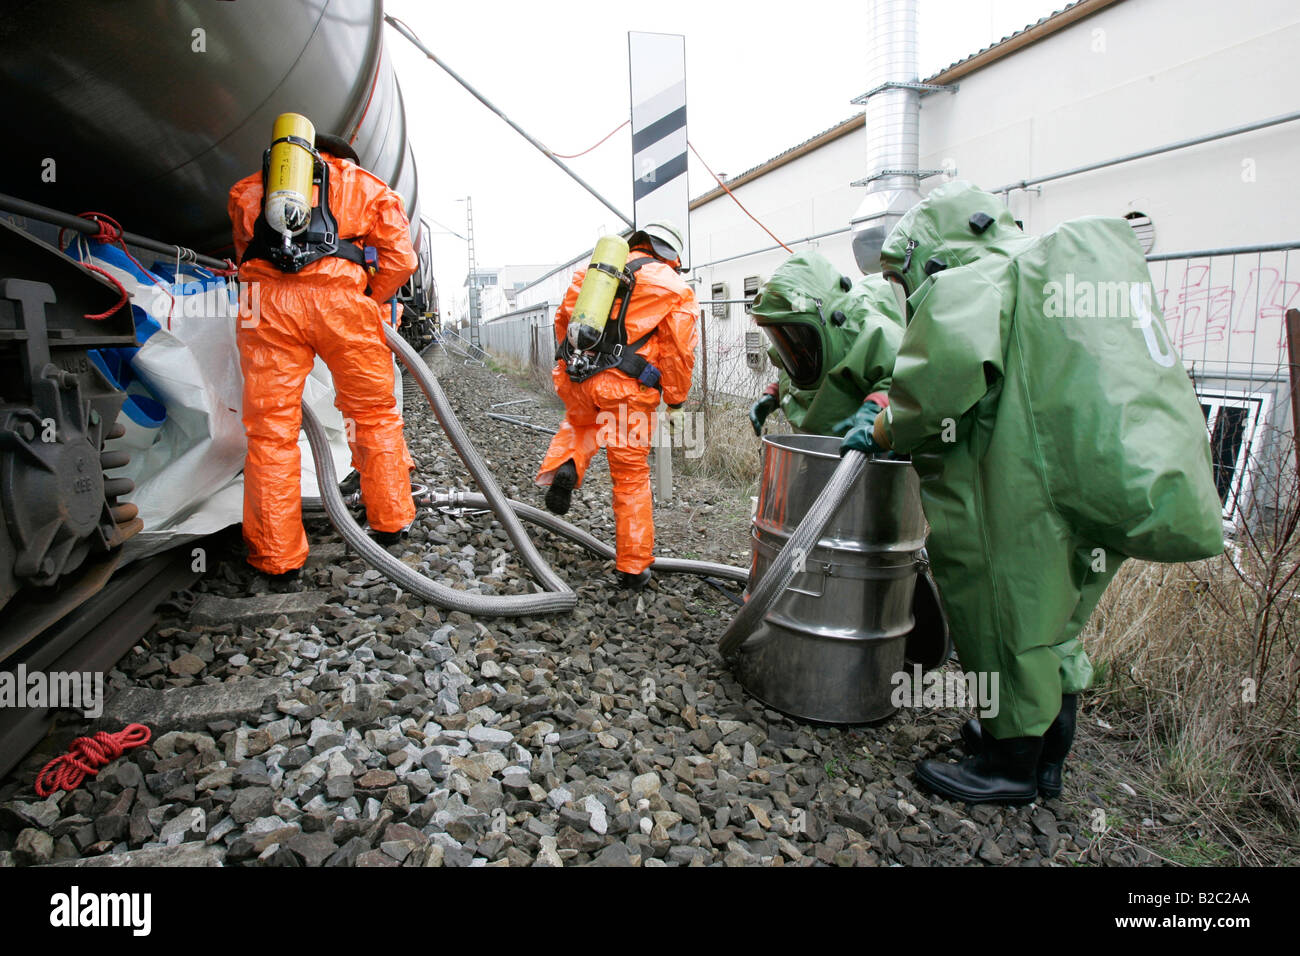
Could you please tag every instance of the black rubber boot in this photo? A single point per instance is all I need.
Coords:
(633, 582)
(1005, 771)
(1056, 745)
(386, 538)
(560, 495)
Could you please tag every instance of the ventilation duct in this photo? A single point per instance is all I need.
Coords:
(893, 107)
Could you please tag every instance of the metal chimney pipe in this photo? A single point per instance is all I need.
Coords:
(893, 119)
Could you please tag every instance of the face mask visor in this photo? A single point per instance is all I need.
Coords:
(799, 349)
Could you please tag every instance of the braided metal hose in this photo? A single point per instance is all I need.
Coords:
(506, 605)
(478, 468)
(464, 499)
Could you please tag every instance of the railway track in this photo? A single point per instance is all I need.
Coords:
(90, 639)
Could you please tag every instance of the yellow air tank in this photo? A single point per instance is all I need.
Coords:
(289, 175)
(599, 287)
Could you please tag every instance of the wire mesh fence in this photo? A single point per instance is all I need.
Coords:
(1225, 311)
(526, 337)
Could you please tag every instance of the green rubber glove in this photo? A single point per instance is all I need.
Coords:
(763, 407)
(859, 425)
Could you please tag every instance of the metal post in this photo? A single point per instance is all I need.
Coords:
(704, 387)
(663, 448)
(1293, 354)
(472, 278)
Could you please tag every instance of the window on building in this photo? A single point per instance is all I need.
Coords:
(1233, 422)
(721, 309)
(752, 284)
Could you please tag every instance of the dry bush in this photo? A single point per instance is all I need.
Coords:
(728, 450)
(1202, 661)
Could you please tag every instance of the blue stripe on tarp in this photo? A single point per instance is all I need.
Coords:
(145, 324)
(144, 410)
(113, 256)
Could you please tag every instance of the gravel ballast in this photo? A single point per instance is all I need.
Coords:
(354, 725)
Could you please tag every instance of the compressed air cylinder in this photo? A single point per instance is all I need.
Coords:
(289, 177)
(599, 287)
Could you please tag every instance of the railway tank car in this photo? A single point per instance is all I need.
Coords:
(146, 111)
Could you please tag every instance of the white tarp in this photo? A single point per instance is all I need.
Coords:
(187, 466)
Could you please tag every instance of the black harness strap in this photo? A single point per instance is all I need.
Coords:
(613, 350)
(321, 237)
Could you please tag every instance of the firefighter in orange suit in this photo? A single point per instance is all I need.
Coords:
(614, 407)
(319, 304)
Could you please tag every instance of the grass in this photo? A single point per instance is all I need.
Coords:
(1197, 676)
(730, 450)
(1200, 851)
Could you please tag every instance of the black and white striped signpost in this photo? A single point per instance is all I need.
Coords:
(660, 190)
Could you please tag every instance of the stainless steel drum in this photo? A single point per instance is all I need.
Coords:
(831, 644)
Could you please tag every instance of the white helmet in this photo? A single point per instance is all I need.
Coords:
(665, 238)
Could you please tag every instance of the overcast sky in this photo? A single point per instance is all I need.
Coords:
(760, 77)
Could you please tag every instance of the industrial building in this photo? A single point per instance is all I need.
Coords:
(1165, 112)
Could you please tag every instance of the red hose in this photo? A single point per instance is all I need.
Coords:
(86, 757)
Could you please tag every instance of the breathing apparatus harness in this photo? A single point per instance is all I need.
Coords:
(321, 237)
(613, 350)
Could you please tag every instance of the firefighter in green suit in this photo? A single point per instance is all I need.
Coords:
(833, 341)
(1054, 438)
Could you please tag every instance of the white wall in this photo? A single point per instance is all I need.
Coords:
(1138, 74)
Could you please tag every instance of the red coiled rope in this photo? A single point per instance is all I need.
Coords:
(86, 757)
(110, 231)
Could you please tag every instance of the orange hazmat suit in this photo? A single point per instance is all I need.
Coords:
(322, 310)
(614, 411)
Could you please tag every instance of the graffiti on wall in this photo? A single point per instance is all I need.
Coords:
(1229, 309)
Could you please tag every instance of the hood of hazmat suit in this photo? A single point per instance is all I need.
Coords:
(833, 340)
(1054, 429)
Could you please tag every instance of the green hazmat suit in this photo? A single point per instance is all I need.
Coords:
(1054, 429)
(856, 330)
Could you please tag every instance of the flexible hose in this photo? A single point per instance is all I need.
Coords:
(800, 543)
(558, 596)
(462, 499)
(478, 468)
(505, 605)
